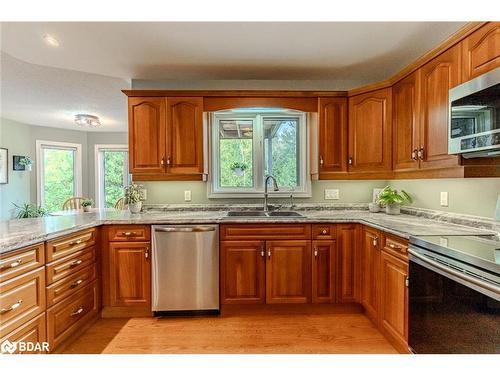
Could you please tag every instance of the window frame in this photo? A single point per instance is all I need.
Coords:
(40, 168)
(214, 189)
(99, 169)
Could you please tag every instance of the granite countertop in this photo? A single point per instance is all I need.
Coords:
(18, 233)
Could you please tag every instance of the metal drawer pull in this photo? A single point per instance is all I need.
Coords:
(76, 263)
(77, 242)
(12, 307)
(12, 265)
(76, 283)
(315, 251)
(392, 246)
(375, 241)
(77, 312)
(269, 253)
(129, 234)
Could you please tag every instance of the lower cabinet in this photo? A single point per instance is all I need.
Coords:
(394, 299)
(348, 263)
(130, 274)
(243, 272)
(288, 271)
(370, 271)
(324, 259)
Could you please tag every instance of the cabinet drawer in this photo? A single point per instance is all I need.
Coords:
(72, 313)
(34, 331)
(396, 246)
(70, 284)
(61, 247)
(129, 233)
(266, 232)
(324, 231)
(21, 299)
(69, 265)
(21, 261)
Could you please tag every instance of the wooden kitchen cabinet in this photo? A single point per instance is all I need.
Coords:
(146, 132)
(370, 270)
(323, 271)
(438, 76)
(481, 51)
(243, 272)
(405, 122)
(370, 131)
(332, 136)
(347, 263)
(288, 271)
(130, 274)
(394, 300)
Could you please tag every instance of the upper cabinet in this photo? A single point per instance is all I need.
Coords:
(405, 122)
(166, 138)
(438, 76)
(332, 147)
(370, 131)
(146, 132)
(481, 51)
(184, 135)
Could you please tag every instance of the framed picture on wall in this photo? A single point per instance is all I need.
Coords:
(16, 163)
(4, 165)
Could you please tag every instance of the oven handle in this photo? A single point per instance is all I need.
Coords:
(451, 271)
(185, 229)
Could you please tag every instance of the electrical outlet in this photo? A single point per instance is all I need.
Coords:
(144, 193)
(332, 194)
(187, 195)
(376, 192)
(444, 199)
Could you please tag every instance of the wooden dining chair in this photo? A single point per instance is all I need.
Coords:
(73, 203)
(120, 204)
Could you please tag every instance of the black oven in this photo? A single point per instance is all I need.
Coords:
(454, 305)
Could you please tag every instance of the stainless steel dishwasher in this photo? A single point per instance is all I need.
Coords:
(185, 269)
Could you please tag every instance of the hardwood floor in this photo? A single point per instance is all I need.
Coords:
(321, 329)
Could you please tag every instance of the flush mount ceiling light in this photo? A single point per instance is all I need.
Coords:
(87, 121)
(50, 40)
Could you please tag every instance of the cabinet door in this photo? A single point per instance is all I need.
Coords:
(146, 132)
(370, 271)
(288, 271)
(243, 274)
(323, 271)
(394, 299)
(332, 136)
(370, 131)
(347, 263)
(438, 77)
(481, 51)
(130, 274)
(405, 123)
(184, 135)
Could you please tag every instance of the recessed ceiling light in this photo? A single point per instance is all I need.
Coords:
(50, 40)
(87, 121)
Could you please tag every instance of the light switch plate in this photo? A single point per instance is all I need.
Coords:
(444, 199)
(376, 192)
(187, 195)
(144, 194)
(332, 194)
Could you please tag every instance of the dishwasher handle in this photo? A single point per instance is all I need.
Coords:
(186, 229)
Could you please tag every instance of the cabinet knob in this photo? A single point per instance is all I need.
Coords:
(350, 161)
(420, 153)
(375, 241)
(269, 253)
(168, 161)
(321, 160)
(324, 231)
(316, 252)
(146, 253)
(162, 161)
(414, 155)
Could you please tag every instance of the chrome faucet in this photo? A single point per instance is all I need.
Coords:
(276, 188)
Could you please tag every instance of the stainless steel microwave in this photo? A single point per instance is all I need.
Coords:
(474, 121)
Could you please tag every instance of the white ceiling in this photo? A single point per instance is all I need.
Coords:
(76, 76)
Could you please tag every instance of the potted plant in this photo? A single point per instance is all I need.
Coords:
(134, 197)
(239, 168)
(27, 162)
(29, 210)
(393, 199)
(87, 204)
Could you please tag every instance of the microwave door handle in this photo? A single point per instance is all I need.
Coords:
(185, 229)
(452, 272)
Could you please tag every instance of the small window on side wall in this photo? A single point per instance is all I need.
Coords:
(249, 144)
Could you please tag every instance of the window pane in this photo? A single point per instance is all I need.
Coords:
(236, 153)
(281, 150)
(58, 177)
(115, 176)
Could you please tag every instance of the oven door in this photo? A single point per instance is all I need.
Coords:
(451, 311)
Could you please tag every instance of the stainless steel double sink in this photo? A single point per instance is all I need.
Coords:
(264, 214)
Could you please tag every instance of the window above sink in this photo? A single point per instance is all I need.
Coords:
(248, 144)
